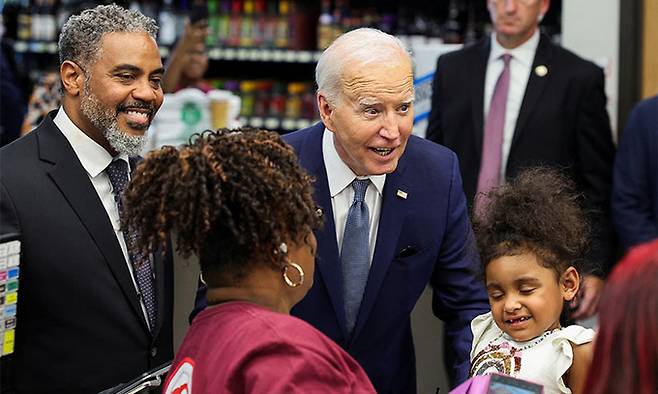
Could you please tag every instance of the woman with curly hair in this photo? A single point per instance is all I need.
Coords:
(531, 238)
(241, 203)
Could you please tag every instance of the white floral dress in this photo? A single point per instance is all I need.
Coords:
(542, 360)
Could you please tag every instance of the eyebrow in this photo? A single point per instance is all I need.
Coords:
(527, 280)
(524, 280)
(368, 103)
(135, 69)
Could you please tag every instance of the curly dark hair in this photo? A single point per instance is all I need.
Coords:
(231, 197)
(537, 212)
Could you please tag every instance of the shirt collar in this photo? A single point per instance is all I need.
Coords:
(525, 53)
(339, 175)
(93, 157)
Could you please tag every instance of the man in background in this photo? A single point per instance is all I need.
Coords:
(93, 311)
(515, 100)
(635, 191)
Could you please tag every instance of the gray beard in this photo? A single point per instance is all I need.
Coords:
(105, 120)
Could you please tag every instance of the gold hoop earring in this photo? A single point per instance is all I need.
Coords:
(287, 279)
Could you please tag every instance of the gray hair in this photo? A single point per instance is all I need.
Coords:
(80, 40)
(363, 46)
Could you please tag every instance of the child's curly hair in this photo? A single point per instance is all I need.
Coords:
(537, 212)
(231, 197)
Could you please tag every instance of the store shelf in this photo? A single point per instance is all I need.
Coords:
(35, 47)
(272, 123)
(263, 55)
(230, 54)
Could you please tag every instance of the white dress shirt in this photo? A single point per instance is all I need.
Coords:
(520, 65)
(340, 178)
(95, 159)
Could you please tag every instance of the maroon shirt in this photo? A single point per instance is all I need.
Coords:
(241, 347)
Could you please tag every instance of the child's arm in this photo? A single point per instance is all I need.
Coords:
(577, 374)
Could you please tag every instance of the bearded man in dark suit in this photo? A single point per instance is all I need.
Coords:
(92, 311)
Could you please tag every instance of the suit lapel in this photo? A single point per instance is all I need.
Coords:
(328, 259)
(478, 73)
(536, 86)
(391, 218)
(72, 180)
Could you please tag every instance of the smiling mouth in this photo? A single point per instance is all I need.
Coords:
(518, 320)
(382, 151)
(138, 118)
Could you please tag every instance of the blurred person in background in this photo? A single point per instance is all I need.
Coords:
(515, 100)
(626, 345)
(12, 102)
(635, 187)
(188, 61)
(93, 312)
(240, 201)
(14, 81)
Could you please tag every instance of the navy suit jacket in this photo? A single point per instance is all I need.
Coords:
(635, 188)
(423, 238)
(80, 326)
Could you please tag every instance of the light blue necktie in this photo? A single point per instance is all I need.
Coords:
(355, 253)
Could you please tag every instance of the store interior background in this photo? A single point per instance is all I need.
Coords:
(265, 52)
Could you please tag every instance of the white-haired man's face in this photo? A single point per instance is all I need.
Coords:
(373, 118)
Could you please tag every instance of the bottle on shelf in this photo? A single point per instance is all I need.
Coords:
(167, 24)
(262, 100)
(24, 19)
(258, 26)
(248, 97)
(282, 39)
(278, 100)
(325, 25)
(235, 24)
(224, 23)
(294, 100)
(213, 24)
(246, 25)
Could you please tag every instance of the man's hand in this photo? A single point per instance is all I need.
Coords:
(586, 302)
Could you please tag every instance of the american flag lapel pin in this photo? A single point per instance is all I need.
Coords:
(402, 194)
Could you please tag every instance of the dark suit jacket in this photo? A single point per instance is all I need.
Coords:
(423, 238)
(635, 192)
(80, 327)
(562, 123)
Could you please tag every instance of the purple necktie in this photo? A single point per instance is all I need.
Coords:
(492, 146)
(117, 171)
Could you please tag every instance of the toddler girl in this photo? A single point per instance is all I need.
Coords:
(531, 237)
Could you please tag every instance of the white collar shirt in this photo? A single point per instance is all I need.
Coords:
(340, 177)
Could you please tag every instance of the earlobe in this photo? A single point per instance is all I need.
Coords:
(569, 283)
(72, 77)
